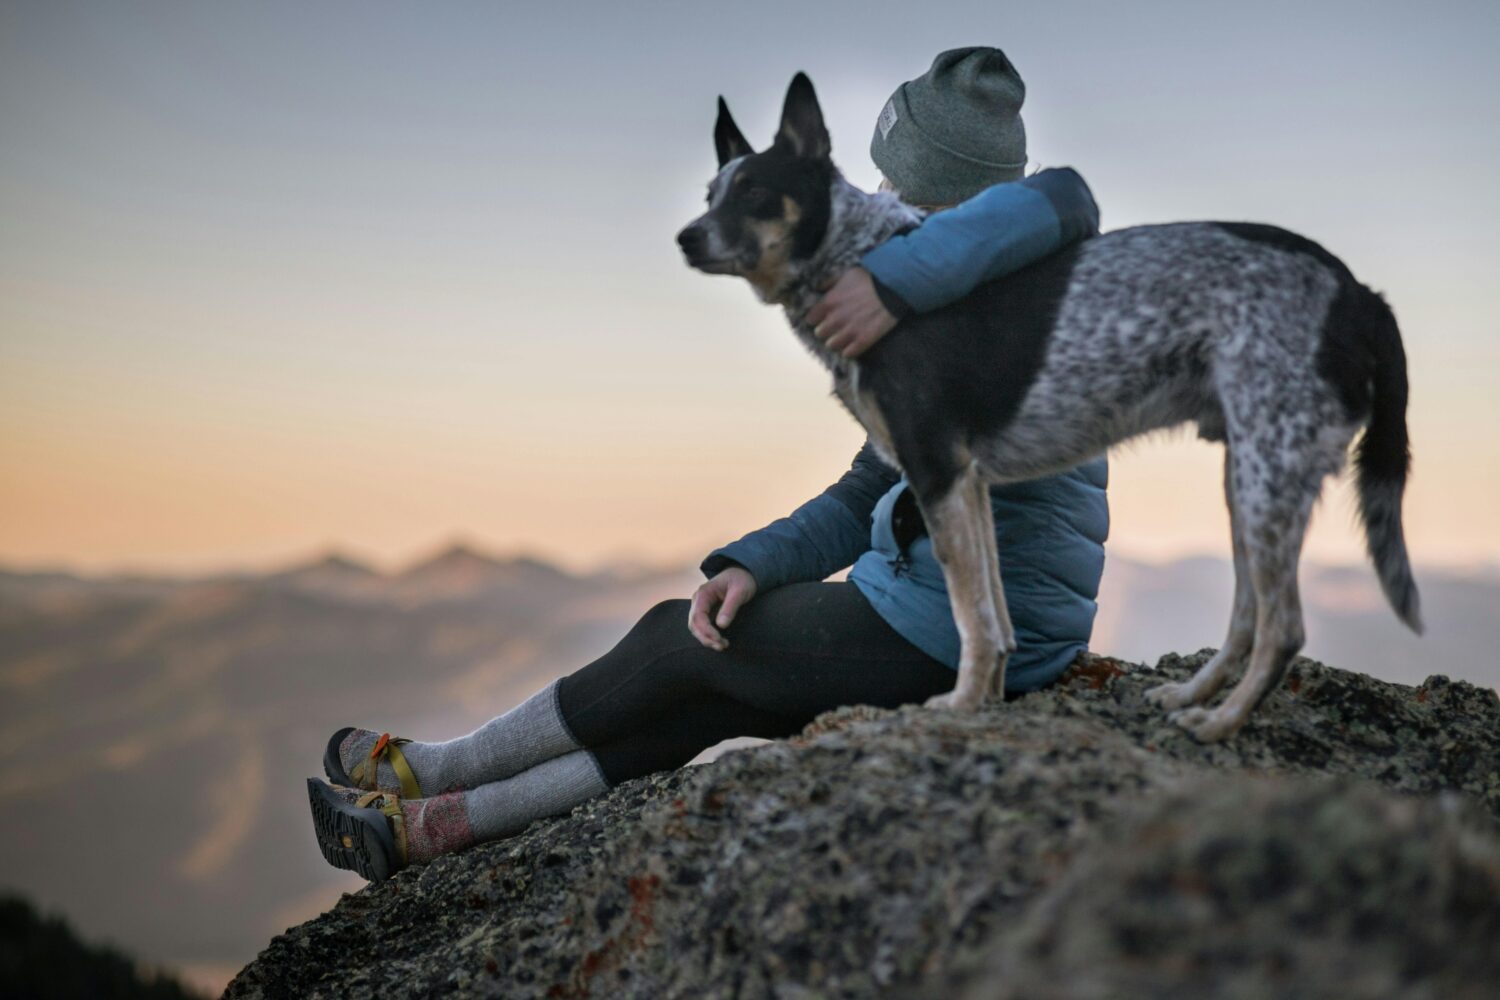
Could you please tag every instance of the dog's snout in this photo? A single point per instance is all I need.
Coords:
(692, 240)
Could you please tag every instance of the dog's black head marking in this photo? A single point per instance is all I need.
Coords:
(767, 210)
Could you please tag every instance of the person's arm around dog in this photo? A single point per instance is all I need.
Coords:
(1002, 229)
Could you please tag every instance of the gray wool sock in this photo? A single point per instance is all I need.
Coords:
(502, 808)
(458, 820)
(527, 735)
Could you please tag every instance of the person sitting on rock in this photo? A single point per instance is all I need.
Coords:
(768, 643)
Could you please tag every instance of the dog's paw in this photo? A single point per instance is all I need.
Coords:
(953, 701)
(1169, 696)
(1204, 725)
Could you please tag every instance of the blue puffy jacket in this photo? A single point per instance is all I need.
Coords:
(1050, 531)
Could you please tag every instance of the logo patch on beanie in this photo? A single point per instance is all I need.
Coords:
(887, 119)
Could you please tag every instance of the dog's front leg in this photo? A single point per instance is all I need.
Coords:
(996, 691)
(962, 527)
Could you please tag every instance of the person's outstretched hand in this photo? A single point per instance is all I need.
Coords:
(850, 317)
(729, 590)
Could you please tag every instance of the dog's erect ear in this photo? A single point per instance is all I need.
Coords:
(728, 141)
(802, 120)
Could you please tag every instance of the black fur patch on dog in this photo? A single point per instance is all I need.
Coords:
(1343, 359)
(1360, 353)
(967, 366)
(805, 181)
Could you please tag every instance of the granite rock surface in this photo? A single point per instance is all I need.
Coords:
(1069, 843)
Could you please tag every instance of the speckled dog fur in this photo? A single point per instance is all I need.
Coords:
(1260, 337)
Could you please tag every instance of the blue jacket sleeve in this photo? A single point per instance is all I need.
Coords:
(999, 230)
(818, 538)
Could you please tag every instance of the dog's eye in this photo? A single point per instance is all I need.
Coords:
(755, 194)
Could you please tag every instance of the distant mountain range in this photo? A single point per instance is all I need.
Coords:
(155, 731)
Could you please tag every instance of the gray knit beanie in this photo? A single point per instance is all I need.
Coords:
(955, 130)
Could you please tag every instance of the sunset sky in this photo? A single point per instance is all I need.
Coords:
(283, 277)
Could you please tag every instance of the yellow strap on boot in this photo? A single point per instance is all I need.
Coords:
(409, 787)
(364, 774)
(390, 805)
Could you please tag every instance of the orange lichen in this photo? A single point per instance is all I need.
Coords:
(643, 889)
(1096, 670)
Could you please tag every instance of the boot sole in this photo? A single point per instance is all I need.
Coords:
(352, 838)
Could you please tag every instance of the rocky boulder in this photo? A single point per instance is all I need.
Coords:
(1069, 843)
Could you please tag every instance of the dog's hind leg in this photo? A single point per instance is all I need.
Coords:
(1214, 674)
(962, 526)
(1275, 488)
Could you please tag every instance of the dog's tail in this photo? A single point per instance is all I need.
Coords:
(1383, 459)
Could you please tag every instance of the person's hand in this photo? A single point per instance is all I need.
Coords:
(850, 318)
(728, 591)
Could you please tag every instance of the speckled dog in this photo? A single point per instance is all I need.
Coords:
(1259, 336)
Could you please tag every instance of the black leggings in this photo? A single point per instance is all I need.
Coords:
(660, 696)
